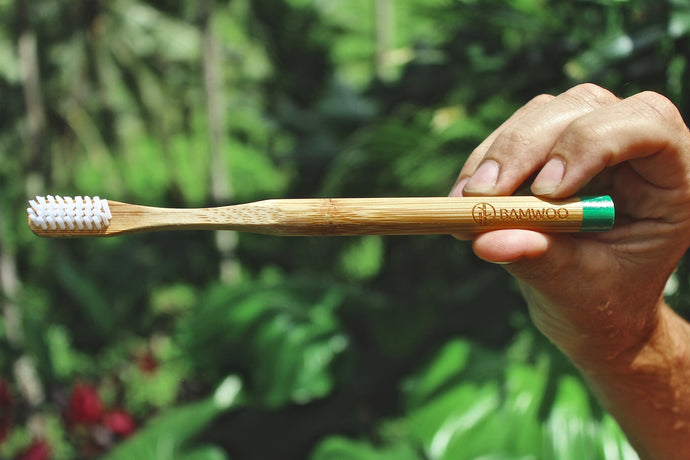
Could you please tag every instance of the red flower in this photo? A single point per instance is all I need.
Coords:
(120, 422)
(37, 450)
(147, 363)
(85, 406)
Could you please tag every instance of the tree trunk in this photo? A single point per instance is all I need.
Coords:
(34, 162)
(221, 184)
(383, 35)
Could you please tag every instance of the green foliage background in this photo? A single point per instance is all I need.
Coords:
(366, 348)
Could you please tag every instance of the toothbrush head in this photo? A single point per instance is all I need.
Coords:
(69, 215)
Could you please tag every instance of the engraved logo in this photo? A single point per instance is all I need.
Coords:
(483, 213)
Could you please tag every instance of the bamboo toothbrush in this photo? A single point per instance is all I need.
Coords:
(88, 217)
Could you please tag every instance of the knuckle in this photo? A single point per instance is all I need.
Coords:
(540, 100)
(593, 95)
(584, 131)
(516, 137)
(658, 106)
(584, 136)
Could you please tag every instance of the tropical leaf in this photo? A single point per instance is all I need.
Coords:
(284, 338)
(165, 436)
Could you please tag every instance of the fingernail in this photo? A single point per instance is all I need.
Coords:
(549, 178)
(456, 191)
(484, 178)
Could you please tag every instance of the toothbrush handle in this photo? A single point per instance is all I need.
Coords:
(434, 215)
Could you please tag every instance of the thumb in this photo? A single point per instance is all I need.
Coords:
(532, 257)
(553, 276)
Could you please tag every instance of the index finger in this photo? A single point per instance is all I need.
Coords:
(478, 153)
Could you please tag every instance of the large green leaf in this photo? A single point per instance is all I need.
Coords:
(204, 453)
(166, 435)
(284, 338)
(463, 408)
(337, 448)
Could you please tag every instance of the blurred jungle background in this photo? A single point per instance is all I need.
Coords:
(205, 346)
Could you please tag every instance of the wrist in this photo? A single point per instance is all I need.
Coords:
(650, 340)
(603, 336)
(645, 387)
(661, 351)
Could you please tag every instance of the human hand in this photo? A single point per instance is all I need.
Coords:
(596, 296)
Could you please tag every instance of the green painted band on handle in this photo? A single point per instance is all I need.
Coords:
(598, 213)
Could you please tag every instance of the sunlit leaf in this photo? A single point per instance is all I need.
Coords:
(337, 448)
(164, 436)
(364, 258)
(204, 453)
(286, 338)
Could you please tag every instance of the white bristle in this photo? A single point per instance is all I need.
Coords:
(67, 213)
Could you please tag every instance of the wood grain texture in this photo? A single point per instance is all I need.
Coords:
(348, 216)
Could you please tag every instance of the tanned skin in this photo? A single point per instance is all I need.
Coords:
(599, 297)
